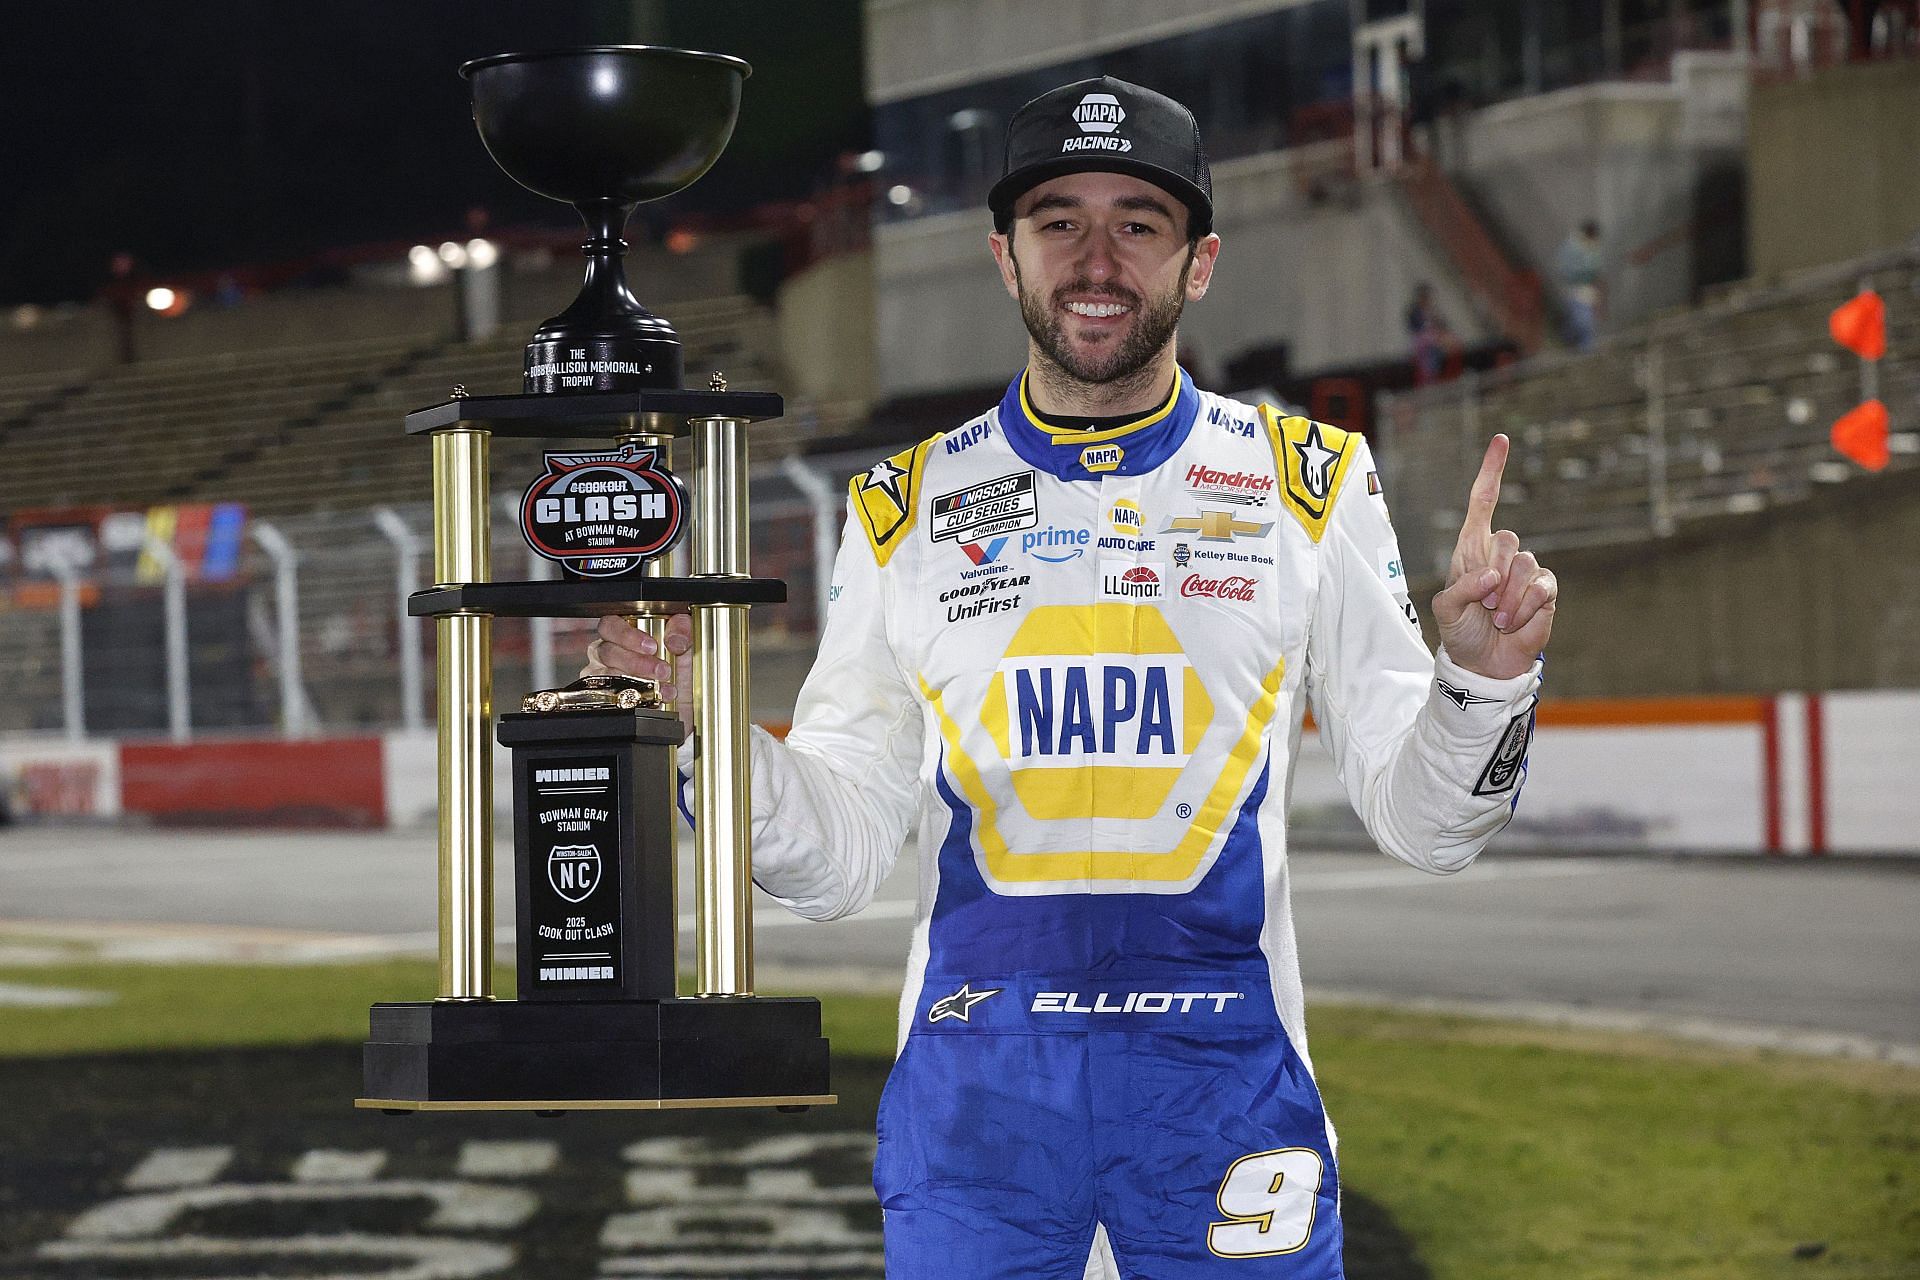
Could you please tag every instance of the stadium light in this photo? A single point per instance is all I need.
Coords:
(161, 299)
(454, 254)
(424, 266)
(900, 194)
(869, 162)
(482, 253)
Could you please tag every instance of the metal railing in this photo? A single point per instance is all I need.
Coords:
(1720, 410)
(310, 634)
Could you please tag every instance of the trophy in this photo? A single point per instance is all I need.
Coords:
(598, 1023)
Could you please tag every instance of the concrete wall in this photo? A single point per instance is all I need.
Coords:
(825, 320)
(1332, 279)
(1824, 596)
(1833, 167)
(922, 46)
(1631, 156)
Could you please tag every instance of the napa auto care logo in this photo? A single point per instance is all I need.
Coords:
(1236, 587)
(601, 515)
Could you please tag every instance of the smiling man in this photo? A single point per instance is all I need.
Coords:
(1072, 644)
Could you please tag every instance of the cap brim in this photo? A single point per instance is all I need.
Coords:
(1001, 199)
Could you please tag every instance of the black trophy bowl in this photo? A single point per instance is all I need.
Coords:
(605, 128)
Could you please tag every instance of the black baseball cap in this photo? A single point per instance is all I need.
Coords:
(1105, 125)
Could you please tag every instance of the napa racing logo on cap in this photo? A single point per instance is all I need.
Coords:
(1102, 457)
(1099, 115)
(601, 515)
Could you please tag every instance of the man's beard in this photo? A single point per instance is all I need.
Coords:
(1152, 329)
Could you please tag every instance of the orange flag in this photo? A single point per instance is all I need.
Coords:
(1861, 434)
(1860, 325)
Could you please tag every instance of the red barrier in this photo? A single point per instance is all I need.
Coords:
(334, 782)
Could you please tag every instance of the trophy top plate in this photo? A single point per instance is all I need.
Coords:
(559, 417)
(651, 50)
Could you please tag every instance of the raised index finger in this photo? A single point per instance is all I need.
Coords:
(1485, 495)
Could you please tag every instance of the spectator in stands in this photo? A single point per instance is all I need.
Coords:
(1583, 290)
(122, 292)
(1430, 337)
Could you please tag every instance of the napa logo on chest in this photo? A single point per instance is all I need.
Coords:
(1100, 458)
(1121, 708)
(1095, 711)
(603, 515)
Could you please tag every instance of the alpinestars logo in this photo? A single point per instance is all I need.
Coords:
(1316, 464)
(1459, 697)
(960, 1003)
(885, 477)
(1098, 115)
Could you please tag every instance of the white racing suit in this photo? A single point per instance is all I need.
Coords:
(1078, 661)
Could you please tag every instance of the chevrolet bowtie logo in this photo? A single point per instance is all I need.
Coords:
(1217, 526)
(959, 1003)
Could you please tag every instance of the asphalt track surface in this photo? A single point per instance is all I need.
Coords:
(1810, 954)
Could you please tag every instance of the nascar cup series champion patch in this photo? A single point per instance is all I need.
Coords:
(602, 515)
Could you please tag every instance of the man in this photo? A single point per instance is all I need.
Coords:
(1074, 639)
(1583, 289)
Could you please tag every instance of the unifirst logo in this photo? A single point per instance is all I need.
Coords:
(1099, 113)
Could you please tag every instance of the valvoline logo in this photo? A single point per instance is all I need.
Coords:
(984, 553)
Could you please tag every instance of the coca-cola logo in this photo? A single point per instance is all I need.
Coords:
(1233, 587)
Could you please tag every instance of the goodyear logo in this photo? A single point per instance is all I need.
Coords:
(1101, 457)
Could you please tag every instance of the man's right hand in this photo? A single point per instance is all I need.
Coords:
(622, 649)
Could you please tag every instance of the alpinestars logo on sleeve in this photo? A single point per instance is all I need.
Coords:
(960, 1003)
(885, 477)
(1459, 697)
(1316, 463)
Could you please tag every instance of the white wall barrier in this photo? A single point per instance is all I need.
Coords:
(1790, 774)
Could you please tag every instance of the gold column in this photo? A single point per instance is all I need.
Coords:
(463, 688)
(653, 621)
(722, 775)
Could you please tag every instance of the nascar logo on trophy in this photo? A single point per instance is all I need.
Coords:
(598, 1021)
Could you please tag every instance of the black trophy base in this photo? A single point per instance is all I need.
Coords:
(603, 362)
(650, 1055)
